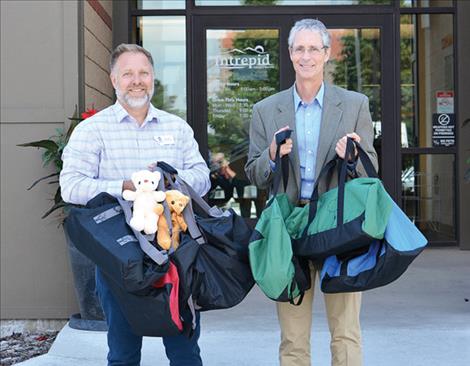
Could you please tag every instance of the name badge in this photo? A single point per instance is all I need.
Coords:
(165, 139)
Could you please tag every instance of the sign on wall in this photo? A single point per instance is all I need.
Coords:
(443, 129)
(445, 101)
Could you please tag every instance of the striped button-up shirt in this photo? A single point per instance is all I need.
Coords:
(307, 125)
(105, 149)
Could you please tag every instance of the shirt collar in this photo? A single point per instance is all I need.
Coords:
(319, 97)
(123, 115)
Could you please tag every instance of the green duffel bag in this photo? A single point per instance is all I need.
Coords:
(345, 220)
(279, 274)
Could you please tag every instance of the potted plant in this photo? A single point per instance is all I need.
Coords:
(91, 315)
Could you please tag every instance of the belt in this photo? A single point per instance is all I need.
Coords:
(303, 203)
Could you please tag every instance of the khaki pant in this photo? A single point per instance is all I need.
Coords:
(343, 321)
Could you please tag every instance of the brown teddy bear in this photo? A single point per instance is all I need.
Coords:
(176, 201)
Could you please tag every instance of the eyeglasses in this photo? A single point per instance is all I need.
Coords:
(314, 51)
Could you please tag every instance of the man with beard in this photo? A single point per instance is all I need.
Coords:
(103, 152)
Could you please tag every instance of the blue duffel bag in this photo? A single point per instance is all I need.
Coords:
(381, 263)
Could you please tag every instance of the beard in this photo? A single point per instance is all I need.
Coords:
(134, 102)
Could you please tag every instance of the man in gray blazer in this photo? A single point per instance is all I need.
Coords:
(321, 117)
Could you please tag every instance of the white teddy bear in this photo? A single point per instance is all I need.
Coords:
(146, 200)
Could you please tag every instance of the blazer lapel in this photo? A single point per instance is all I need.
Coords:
(330, 121)
(286, 116)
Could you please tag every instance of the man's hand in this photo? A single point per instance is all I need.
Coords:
(152, 166)
(341, 144)
(128, 185)
(226, 171)
(286, 148)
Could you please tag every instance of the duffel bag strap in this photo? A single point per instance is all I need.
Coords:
(349, 155)
(189, 191)
(282, 164)
(342, 167)
(203, 206)
(300, 298)
(171, 175)
(166, 209)
(366, 162)
(314, 198)
(157, 256)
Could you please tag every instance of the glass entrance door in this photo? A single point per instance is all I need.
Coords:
(240, 61)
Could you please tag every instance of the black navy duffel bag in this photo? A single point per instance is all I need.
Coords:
(382, 262)
(142, 279)
(100, 231)
(212, 257)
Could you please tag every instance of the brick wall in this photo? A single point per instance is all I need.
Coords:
(97, 49)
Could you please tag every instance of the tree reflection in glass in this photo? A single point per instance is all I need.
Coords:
(242, 69)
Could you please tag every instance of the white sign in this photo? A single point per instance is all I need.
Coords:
(445, 101)
(240, 59)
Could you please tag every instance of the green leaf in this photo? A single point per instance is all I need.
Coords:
(53, 208)
(45, 144)
(43, 178)
(73, 124)
(58, 196)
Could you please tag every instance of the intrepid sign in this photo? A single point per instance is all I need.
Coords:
(240, 59)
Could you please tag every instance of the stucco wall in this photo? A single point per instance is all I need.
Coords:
(41, 60)
(39, 90)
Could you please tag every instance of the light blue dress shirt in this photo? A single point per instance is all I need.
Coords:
(307, 126)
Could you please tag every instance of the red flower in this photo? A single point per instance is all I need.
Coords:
(89, 113)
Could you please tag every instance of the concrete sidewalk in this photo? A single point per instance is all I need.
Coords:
(422, 319)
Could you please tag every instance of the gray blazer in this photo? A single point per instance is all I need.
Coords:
(344, 112)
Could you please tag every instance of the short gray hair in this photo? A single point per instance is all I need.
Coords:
(126, 47)
(313, 25)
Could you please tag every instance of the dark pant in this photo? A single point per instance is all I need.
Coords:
(125, 346)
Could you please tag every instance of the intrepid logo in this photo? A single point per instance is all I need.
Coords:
(240, 59)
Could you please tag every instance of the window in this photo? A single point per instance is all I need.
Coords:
(160, 4)
(427, 55)
(289, 2)
(428, 194)
(165, 38)
(425, 3)
(242, 69)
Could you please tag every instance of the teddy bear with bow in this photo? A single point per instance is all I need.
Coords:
(146, 201)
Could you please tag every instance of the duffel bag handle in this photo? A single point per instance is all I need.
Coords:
(157, 256)
(171, 173)
(363, 157)
(349, 155)
(342, 167)
(282, 164)
(166, 209)
(188, 212)
(184, 187)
